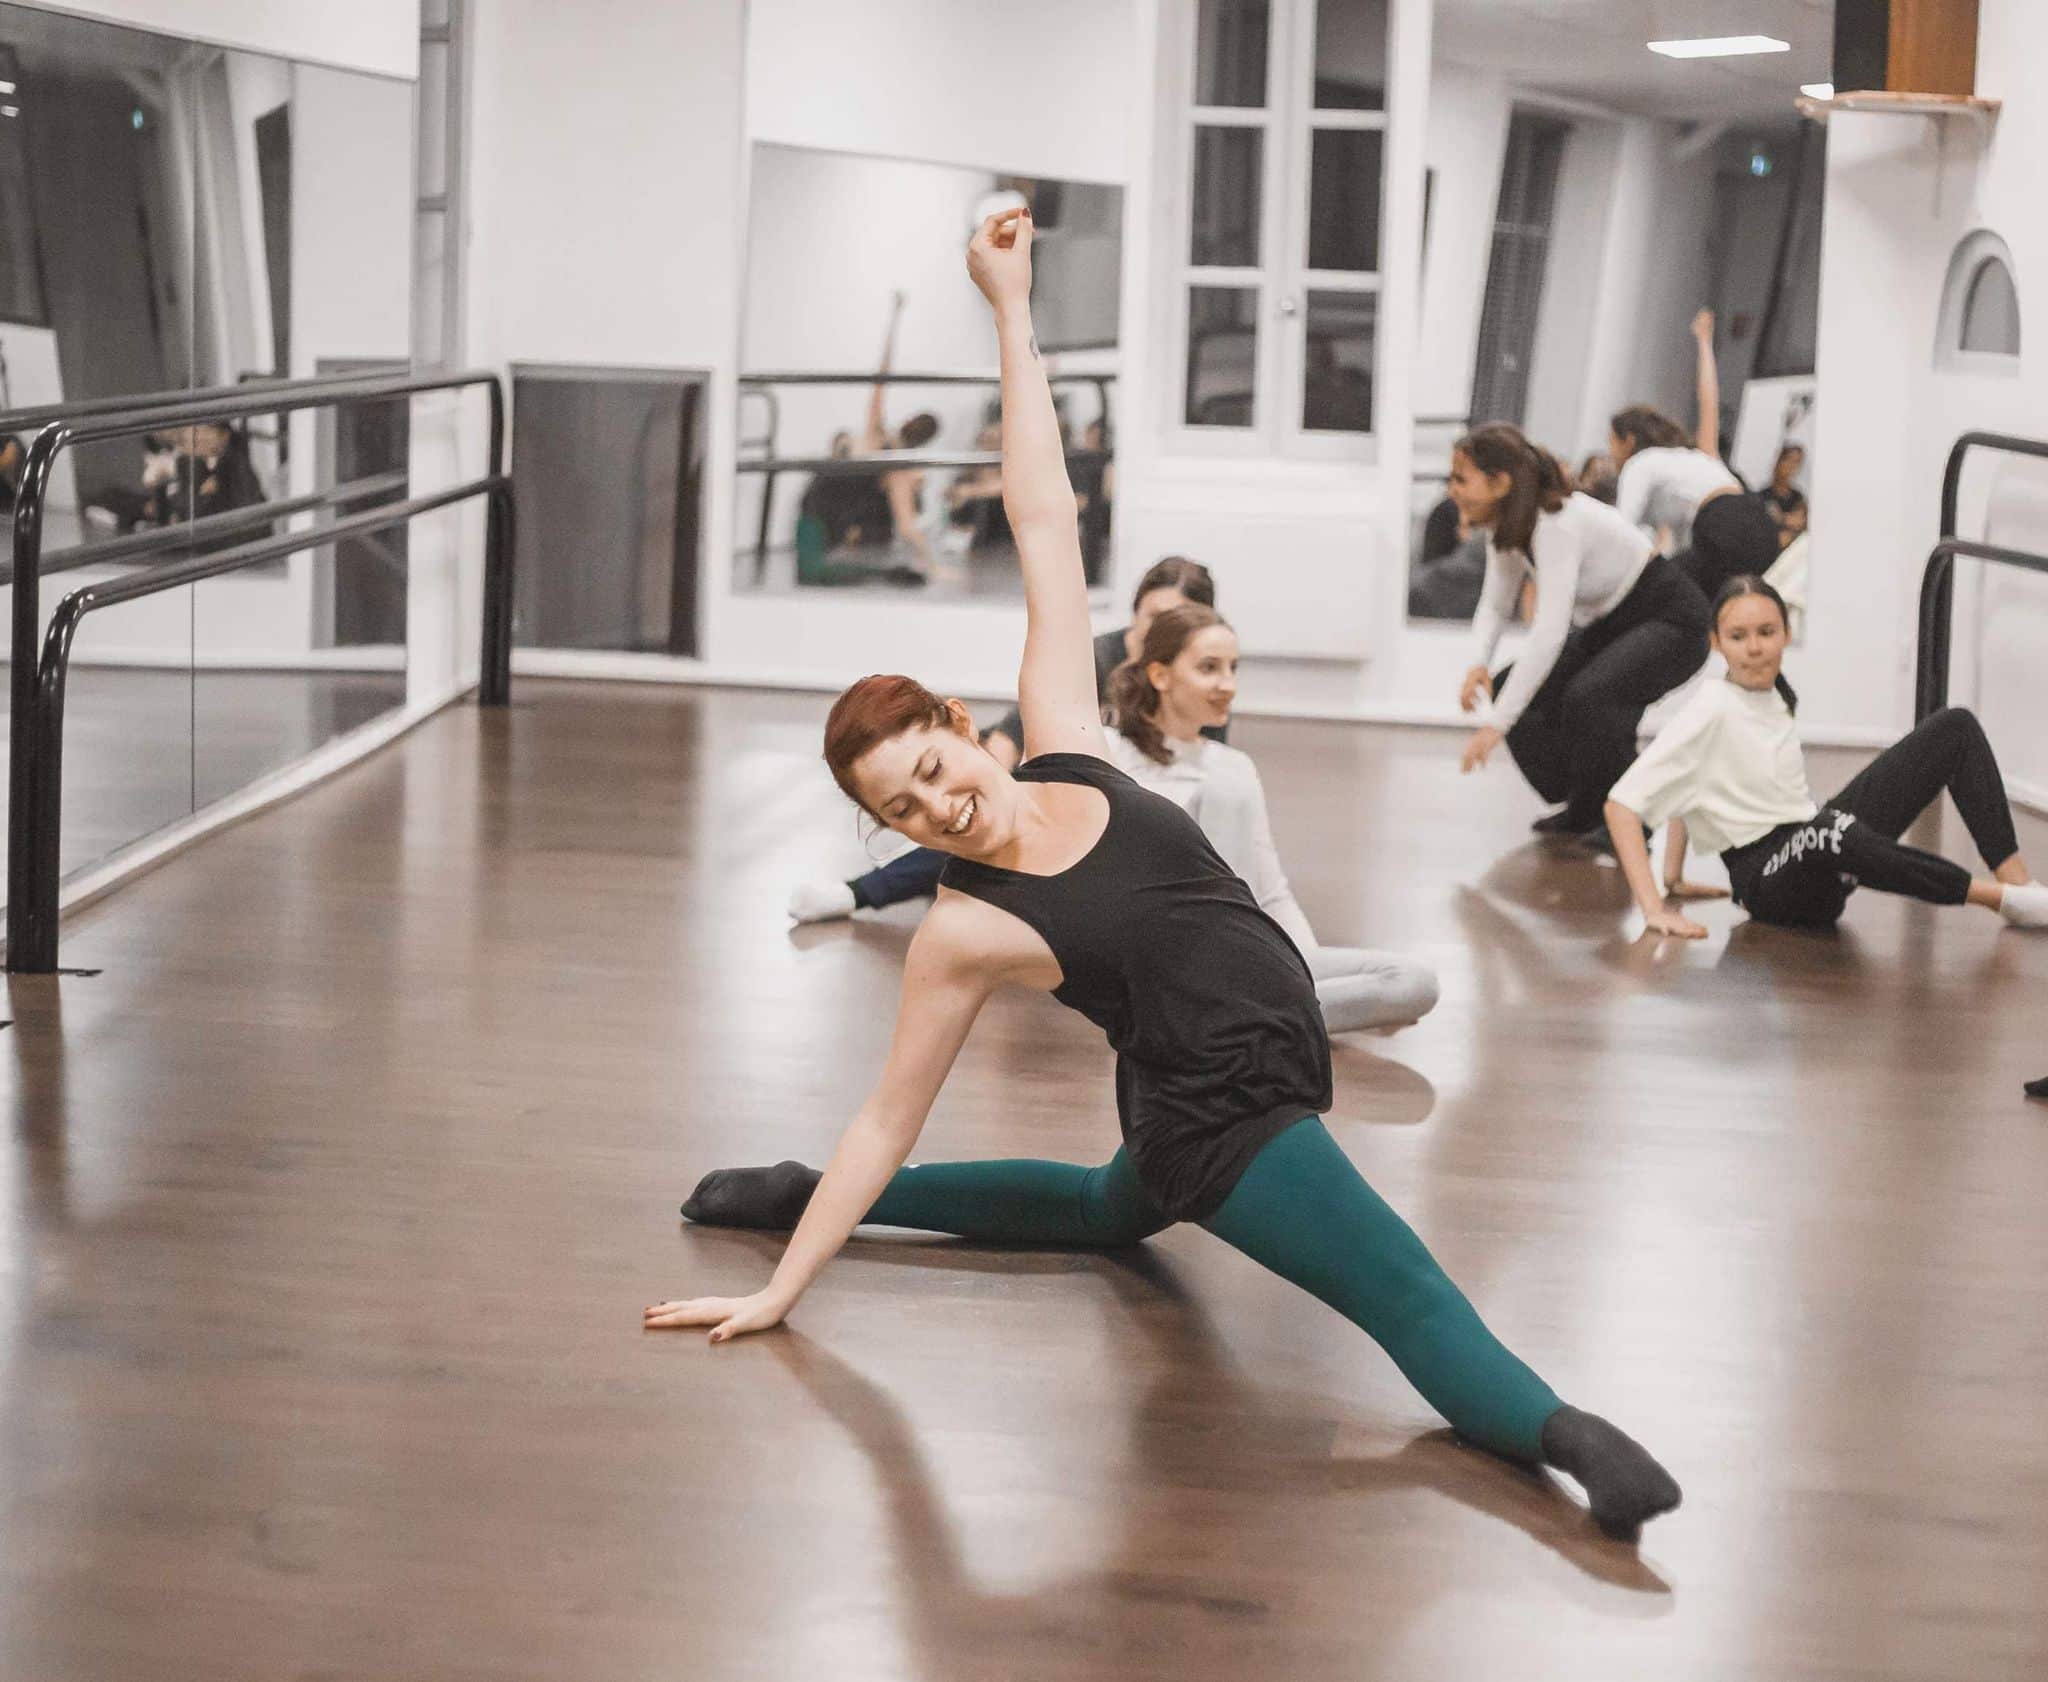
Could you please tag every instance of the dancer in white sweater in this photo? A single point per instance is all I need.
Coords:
(1183, 681)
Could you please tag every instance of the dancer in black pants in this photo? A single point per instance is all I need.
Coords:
(1616, 626)
(1728, 772)
(1681, 492)
(1173, 582)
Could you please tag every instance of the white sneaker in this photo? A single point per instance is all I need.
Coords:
(820, 902)
(2025, 904)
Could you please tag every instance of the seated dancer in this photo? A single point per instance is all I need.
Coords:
(1066, 876)
(1181, 681)
(914, 874)
(1729, 773)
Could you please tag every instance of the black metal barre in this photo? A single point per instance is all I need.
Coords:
(32, 865)
(189, 533)
(16, 420)
(1937, 578)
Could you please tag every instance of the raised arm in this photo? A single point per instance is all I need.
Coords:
(944, 987)
(1056, 684)
(875, 431)
(1708, 435)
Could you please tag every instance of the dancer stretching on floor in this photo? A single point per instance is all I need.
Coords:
(1181, 682)
(1067, 876)
(1728, 771)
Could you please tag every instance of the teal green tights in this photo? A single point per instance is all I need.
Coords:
(1300, 1210)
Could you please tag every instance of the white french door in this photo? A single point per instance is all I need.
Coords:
(1276, 250)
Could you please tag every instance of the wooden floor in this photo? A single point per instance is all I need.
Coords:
(329, 1209)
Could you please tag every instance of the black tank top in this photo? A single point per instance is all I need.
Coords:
(1208, 1005)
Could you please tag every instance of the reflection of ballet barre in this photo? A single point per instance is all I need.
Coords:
(848, 467)
(768, 464)
(890, 461)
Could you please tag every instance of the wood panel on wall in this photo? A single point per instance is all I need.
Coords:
(1906, 46)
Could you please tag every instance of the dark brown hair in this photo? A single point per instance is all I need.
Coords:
(1133, 702)
(870, 712)
(1538, 483)
(1645, 428)
(919, 429)
(1177, 572)
(1749, 584)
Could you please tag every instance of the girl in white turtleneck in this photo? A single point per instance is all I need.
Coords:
(1183, 681)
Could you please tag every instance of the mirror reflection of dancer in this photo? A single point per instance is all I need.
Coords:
(1728, 772)
(1182, 681)
(1067, 876)
(895, 501)
(1668, 482)
(1615, 626)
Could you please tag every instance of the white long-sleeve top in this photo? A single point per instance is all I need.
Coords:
(1665, 487)
(1729, 763)
(1218, 786)
(1585, 559)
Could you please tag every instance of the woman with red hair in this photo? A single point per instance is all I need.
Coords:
(1067, 876)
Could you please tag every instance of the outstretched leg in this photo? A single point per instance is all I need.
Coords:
(1945, 750)
(1302, 1210)
(1359, 988)
(1015, 1201)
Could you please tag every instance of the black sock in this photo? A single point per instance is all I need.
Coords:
(771, 1198)
(2037, 1088)
(1563, 821)
(1623, 1484)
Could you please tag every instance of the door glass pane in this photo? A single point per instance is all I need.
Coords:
(608, 462)
(1224, 214)
(1344, 199)
(1223, 346)
(1337, 380)
(1351, 55)
(1230, 53)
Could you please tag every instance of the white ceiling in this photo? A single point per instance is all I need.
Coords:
(1594, 50)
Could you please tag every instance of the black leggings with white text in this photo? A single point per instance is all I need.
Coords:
(1801, 874)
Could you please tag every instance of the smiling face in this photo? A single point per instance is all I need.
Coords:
(1197, 689)
(1476, 493)
(939, 787)
(1749, 633)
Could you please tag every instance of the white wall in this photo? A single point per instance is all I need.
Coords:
(382, 36)
(1900, 194)
(1043, 90)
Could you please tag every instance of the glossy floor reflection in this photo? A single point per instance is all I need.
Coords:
(328, 1210)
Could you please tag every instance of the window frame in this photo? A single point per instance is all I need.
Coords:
(1281, 280)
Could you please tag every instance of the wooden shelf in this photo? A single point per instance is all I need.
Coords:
(1981, 111)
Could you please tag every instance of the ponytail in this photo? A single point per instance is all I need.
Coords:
(1538, 483)
(1787, 694)
(1133, 702)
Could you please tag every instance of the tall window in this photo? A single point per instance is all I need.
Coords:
(1279, 272)
(1514, 271)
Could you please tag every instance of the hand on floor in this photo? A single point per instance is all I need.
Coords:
(728, 1317)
